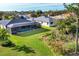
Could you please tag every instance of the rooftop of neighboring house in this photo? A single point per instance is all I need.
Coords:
(42, 19)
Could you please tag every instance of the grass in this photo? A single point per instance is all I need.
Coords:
(29, 41)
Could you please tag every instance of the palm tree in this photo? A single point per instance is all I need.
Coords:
(3, 34)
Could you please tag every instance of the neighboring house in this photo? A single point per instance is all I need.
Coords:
(44, 20)
(21, 23)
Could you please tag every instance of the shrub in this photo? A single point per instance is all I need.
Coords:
(45, 36)
(3, 34)
(58, 46)
(69, 48)
(24, 48)
(62, 48)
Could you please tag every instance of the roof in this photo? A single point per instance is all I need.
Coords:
(4, 22)
(20, 24)
(18, 21)
(43, 19)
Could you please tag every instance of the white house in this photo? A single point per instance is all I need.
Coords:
(44, 20)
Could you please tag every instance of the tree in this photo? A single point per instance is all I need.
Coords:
(74, 8)
(8, 17)
(38, 13)
(1, 14)
(33, 15)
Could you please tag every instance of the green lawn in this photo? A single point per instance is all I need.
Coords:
(31, 40)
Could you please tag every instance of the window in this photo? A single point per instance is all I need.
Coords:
(51, 22)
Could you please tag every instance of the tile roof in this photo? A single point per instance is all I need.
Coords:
(43, 19)
(18, 21)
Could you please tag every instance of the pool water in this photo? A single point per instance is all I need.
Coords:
(27, 29)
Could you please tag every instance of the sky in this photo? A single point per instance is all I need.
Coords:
(30, 6)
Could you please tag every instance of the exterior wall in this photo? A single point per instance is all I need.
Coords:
(3, 27)
(45, 24)
(51, 22)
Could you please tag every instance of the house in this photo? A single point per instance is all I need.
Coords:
(44, 20)
(22, 23)
(18, 25)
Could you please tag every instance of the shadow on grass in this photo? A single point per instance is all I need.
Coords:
(32, 32)
(8, 43)
(24, 48)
